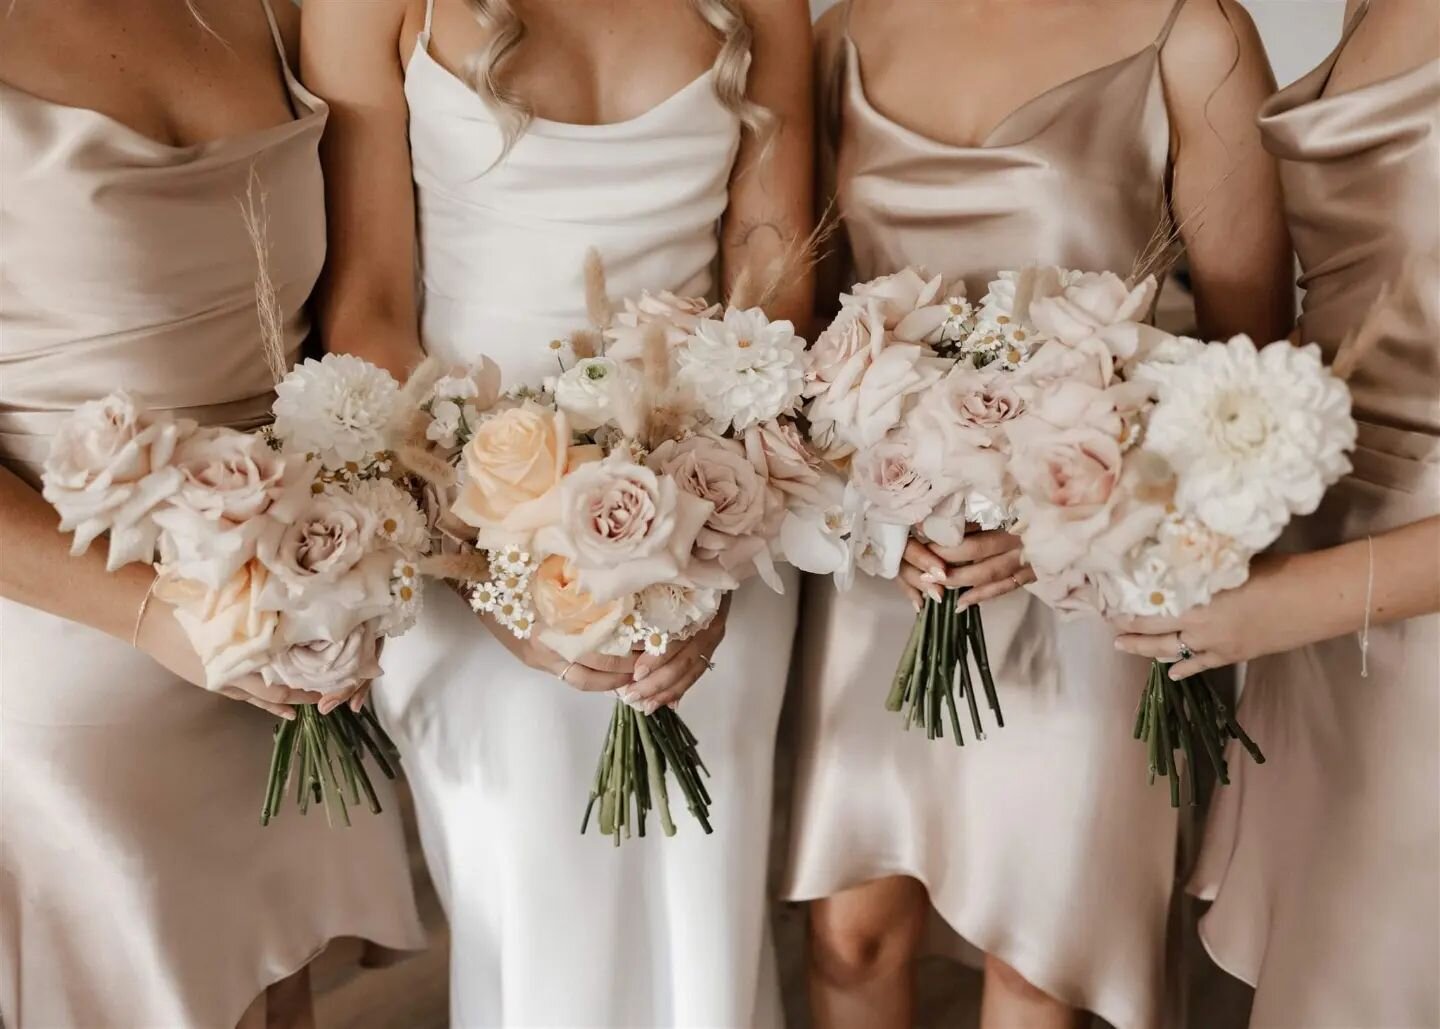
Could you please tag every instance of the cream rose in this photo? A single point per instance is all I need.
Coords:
(513, 460)
(231, 629)
(229, 482)
(896, 490)
(572, 622)
(623, 526)
(1092, 302)
(905, 303)
(780, 453)
(108, 468)
(327, 666)
(679, 315)
(326, 574)
(745, 509)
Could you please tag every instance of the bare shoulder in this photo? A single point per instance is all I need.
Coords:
(364, 17)
(1211, 35)
(776, 22)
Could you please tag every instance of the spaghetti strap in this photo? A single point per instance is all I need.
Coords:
(1361, 9)
(1169, 24)
(429, 17)
(275, 34)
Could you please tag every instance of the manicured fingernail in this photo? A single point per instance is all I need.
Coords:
(1118, 646)
(624, 693)
(918, 603)
(1175, 676)
(935, 593)
(289, 716)
(933, 575)
(650, 707)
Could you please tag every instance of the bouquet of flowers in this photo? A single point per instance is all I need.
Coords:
(910, 392)
(289, 553)
(1151, 468)
(612, 507)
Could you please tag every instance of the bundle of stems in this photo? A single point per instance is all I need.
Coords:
(936, 662)
(1181, 716)
(630, 780)
(324, 756)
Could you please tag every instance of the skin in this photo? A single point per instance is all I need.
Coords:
(1322, 592)
(1215, 76)
(148, 65)
(577, 64)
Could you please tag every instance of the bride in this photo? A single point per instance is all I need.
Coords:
(674, 137)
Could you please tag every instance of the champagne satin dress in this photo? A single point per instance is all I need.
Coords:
(1324, 864)
(137, 887)
(1043, 844)
(551, 928)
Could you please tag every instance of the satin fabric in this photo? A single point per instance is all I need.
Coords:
(137, 886)
(1042, 844)
(1324, 864)
(550, 927)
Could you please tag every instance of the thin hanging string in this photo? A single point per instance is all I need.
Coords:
(1369, 602)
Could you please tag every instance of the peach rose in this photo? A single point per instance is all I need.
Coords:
(231, 629)
(572, 622)
(513, 460)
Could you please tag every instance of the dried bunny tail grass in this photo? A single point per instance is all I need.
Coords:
(419, 461)
(667, 421)
(597, 297)
(1366, 336)
(1166, 243)
(409, 429)
(469, 566)
(743, 293)
(421, 381)
(255, 212)
(585, 343)
(800, 257)
(655, 377)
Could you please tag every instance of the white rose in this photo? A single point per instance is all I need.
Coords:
(327, 666)
(109, 466)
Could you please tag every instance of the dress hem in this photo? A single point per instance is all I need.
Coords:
(1017, 954)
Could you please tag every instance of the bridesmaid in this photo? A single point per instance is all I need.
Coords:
(137, 887)
(1324, 865)
(671, 135)
(969, 137)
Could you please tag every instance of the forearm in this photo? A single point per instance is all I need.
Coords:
(36, 568)
(1327, 590)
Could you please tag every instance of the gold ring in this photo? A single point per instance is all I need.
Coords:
(566, 672)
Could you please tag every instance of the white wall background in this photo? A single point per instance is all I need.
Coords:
(1297, 33)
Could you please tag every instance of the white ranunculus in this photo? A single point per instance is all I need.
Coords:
(743, 370)
(109, 466)
(596, 391)
(1254, 436)
(338, 409)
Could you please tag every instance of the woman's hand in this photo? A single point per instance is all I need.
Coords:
(160, 636)
(592, 673)
(986, 564)
(662, 679)
(1269, 614)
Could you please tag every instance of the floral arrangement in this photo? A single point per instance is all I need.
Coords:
(909, 393)
(611, 508)
(289, 553)
(1154, 469)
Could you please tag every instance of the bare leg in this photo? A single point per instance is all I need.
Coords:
(862, 955)
(1011, 1002)
(289, 1003)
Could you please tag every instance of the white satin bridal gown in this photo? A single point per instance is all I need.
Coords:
(552, 928)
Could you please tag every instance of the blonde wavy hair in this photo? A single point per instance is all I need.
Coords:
(485, 69)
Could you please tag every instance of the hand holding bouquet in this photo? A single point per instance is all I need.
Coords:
(289, 553)
(609, 512)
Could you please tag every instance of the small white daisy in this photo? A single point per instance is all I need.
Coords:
(484, 597)
(656, 643)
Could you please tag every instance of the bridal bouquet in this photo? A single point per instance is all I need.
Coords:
(610, 509)
(1151, 468)
(910, 392)
(289, 553)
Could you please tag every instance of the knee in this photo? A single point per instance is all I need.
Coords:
(851, 948)
(1002, 978)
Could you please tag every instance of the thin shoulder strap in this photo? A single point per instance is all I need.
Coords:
(429, 18)
(275, 34)
(1353, 23)
(1169, 24)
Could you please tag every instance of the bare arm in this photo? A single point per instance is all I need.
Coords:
(770, 212)
(1226, 196)
(350, 57)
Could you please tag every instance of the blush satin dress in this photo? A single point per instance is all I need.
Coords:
(137, 886)
(1043, 844)
(1324, 864)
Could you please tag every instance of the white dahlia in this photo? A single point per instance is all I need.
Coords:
(1254, 436)
(338, 409)
(744, 370)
